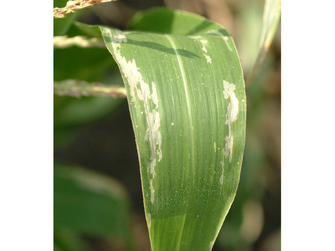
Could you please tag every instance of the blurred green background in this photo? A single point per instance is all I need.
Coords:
(94, 139)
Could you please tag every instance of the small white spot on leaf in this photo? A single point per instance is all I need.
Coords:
(209, 60)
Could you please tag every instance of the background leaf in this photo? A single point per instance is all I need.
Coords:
(86, 202)
(187, 102)
(91, 65)
(271, 17)
(67, 240)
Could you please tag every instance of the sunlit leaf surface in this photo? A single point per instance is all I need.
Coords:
(187, 101)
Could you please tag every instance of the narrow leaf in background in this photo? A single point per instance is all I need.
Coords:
(271, 17)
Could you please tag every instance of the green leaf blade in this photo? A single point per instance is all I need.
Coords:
(91, 203)
(187, 102)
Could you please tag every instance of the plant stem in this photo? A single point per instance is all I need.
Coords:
(77, 88)
(73, 6)
(80, 41)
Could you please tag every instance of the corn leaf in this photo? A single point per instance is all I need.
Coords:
(87, 202)
(67, 240)
(271, 17)
(187, 102)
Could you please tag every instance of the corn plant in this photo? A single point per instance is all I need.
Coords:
(186, 94)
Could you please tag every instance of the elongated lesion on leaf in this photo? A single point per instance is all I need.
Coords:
(140, 90)
(204, 42)
(153, 133)
(129, 68)
(233, 105)
(152, 199)
(231, 116)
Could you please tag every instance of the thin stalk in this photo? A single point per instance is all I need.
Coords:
(80, 41)
(77, 88)
(73, 6)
